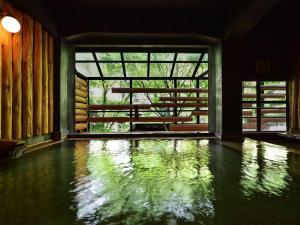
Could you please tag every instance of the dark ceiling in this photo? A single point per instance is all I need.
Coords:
(189, 20)
(112, 5)
(138, 16)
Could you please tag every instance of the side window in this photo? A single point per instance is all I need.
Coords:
(264, 106)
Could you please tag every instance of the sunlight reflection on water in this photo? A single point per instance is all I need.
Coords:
(152, 179)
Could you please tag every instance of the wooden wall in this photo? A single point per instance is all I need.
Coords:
(81, 104)
(26, 79)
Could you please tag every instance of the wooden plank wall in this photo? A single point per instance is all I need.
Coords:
(26, 79)
(81, 104)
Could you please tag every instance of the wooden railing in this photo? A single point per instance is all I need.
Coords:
(159, 90)
(185, 102)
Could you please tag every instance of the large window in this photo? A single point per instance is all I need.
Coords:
(130, 65)
(144, 69)
(264, 106)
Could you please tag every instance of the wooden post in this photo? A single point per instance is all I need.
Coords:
(136, 111)
(6, 126)
(50, 60)
(27, 75)
(45, 92)
(37, 79)
(17, 80)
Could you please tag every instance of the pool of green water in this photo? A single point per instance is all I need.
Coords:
(165, 181)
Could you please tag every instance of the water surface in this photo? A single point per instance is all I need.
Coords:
(167, 181)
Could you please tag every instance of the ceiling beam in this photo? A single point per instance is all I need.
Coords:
(246, 15)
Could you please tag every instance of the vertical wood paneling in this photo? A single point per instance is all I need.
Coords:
(50, 58)
(45, 106)
(6, 46)
(0, 74)
(26, 79)
(37, 78)
(27, 75)
(17, 80)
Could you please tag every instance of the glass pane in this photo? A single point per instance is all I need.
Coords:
(273, 112)
(249, 112)
(249, 84)
(148, 98)
(88, 69)
(249, 105)
(274, 83)
(100, 92)
(273, 124)
(273, 105)
(136, 69)
(109, 126)
(249, 124)
(160, 69)
(162, 56)
(109, 56)
(203, 67)
(205, 58)
(84, 56)
(183, 69)
(112, 69)
(249, 91)
(193, 57)
(135, 56)
(273, 91)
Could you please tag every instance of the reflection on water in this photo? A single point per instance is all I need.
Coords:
(152, 182)
(139, 181)
(264, 168)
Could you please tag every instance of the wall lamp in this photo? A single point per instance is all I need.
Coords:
(10, 23)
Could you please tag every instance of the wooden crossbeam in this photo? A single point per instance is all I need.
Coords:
(200, 113)
(172, 105)
(273, 87)
(265, 111)
(265, 120)
(265, 95)
(81, 126)
(80, 81)
(81, 93)
(188, 127)
(159, 90)
(139, 119)
(191, 99)
(119, 107)
(80, 99)
(81, 118)
(79, 105)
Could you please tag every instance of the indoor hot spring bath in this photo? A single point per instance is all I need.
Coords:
(165, 181)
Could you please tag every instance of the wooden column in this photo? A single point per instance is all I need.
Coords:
(17, 80)
(50, 68)
(37, 79)
(45, 106)
(6, 45)
(27, 75)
